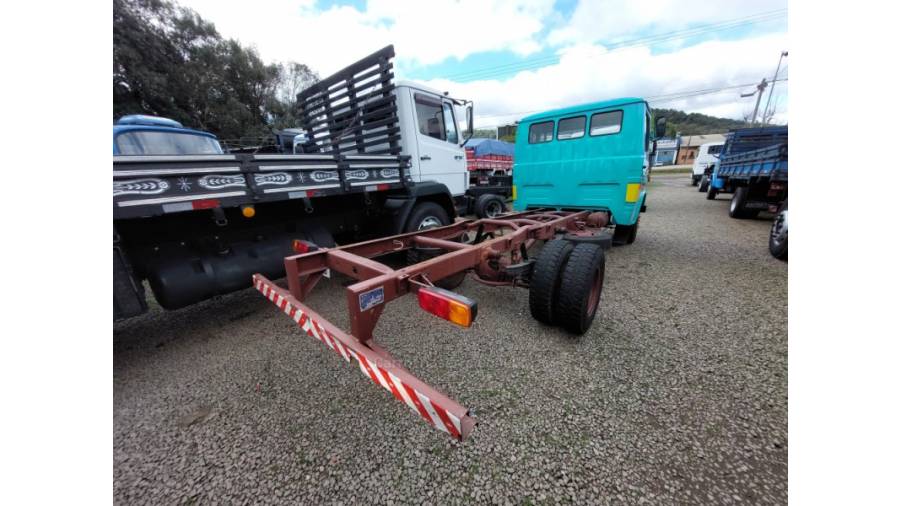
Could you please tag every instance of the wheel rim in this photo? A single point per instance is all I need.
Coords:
(778, 230)
(493, 209)
(734, 204)
(429, 222)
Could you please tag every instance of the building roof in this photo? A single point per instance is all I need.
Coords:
(691, 141)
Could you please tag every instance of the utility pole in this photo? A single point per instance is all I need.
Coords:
(772, 89)
(759, 91)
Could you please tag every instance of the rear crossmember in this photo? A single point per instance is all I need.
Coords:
(496, 255)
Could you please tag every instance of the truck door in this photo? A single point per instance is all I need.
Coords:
(441, 158)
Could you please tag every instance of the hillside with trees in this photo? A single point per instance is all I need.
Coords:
(695, 123)
(168, 61)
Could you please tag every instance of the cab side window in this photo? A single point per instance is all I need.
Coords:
(430, 116)
(540, 132)
(606, 123)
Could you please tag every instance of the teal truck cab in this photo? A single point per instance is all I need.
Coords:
(587, 157)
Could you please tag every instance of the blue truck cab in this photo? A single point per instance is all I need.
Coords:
(586, 157)
(139, 134)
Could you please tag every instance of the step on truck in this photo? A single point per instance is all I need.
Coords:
(192, 221)
(564, 277)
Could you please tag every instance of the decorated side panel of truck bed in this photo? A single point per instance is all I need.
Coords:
(156, 185)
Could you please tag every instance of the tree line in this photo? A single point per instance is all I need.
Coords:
(168, 61)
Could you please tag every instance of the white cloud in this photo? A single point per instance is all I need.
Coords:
(588, 72)
(423, 33)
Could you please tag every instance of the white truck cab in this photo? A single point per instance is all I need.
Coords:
(706, 156)
(432, 136)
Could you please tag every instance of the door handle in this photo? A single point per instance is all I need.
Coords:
(457, 157)
(425, 157)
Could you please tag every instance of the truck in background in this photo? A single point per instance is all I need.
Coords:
(139, 134)
(707, 156)
(753, 166)
(195, 222)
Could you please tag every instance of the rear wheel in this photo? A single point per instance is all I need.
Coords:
(582, 280)
(738, 209)
(544, 287)
(489, 206)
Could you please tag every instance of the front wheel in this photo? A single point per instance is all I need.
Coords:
(695, 180)
(704, 184)
(424, 216)
(625, 234)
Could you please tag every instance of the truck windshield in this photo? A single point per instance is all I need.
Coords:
(715, 150)
(145, 142)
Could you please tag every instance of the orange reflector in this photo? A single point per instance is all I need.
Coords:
(248, 211)
(448, 305)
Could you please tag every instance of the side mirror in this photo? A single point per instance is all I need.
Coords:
(661, 127)
(470, 123)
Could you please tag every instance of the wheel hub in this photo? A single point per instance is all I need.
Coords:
(429, 222)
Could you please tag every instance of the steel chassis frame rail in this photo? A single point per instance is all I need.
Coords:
(494, 259)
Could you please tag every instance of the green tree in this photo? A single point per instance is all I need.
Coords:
(168, 61)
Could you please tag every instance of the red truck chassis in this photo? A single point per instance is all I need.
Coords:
(496, 255)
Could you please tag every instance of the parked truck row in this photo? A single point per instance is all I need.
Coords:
(753, 167)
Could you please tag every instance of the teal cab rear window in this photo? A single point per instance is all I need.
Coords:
(606, 123)
(540, 132)
(570, 128)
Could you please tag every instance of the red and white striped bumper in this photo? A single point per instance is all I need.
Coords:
(436, 408)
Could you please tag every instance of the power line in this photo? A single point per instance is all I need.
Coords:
(504, 69)
(654, 99)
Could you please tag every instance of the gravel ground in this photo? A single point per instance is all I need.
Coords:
(678, 393)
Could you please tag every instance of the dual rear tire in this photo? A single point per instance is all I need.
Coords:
(567, 283)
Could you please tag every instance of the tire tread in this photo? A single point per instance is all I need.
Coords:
(578, 276)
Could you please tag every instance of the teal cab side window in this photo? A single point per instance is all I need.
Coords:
(606, 123)
(570, 128)
(540, 132)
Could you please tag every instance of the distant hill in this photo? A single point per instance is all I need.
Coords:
(695, 123)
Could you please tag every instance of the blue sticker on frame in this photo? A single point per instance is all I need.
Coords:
(370, 299)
